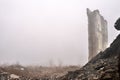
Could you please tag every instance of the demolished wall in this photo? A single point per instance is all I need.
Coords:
(97, 33)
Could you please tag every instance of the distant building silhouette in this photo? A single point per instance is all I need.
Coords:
(97, 33)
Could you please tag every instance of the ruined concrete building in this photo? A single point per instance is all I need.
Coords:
(97, 33)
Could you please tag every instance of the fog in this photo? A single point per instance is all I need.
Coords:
(40, 31)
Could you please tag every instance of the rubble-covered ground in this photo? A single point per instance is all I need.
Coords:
(36, 72)
(104, 66)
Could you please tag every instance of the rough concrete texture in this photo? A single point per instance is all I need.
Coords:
(97, 33)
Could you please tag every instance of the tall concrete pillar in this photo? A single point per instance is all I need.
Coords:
(97, 33)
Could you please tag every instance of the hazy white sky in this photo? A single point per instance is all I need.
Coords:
(38, 31)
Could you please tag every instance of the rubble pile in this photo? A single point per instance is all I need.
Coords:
(103, 66)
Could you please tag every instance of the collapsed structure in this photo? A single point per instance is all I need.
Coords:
(104, 66)
(97, 33)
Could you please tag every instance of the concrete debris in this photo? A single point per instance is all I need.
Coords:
(103, 66)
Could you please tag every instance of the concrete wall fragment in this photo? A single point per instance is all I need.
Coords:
(97, 33)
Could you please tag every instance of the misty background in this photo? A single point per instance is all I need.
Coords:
(42, 31)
